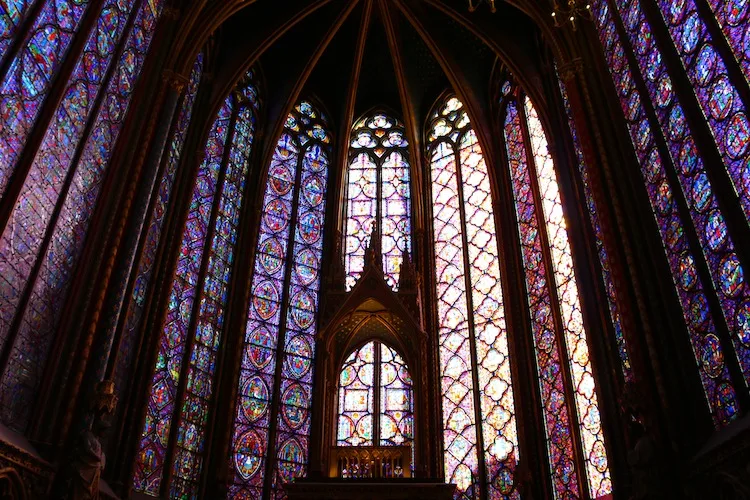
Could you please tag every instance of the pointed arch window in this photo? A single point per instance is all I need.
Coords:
(479, 424)
(566, 381)
(152, 237)
(376, 403)
(674, 160)
(57, 184)
(272, 420)
(170, 454)
(378, 194)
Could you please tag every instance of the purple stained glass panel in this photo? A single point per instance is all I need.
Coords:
(191, 433)
(149, 466)
(726, 115)
(720, 393)
(378, 191)
(68, 235)
(24, 87)
(283, 305)
(470, 301)
(154, 231)
(556, 406)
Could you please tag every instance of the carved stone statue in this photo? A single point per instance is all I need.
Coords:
(88, 458)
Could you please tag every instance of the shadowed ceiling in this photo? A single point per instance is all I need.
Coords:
(354, 55)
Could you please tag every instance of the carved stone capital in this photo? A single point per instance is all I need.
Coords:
(174, 80)
(570, 69)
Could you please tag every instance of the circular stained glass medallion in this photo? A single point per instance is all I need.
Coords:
(716, 230)
(260, 347)
(701, 192)
(698, 310)
(298, 363)
(732, 275)
(295, 406)
(743, 323)
(688, 274)
(705, 65)
(248, 454)
(271, 255)
(306, 266)
(726, 401)
(303, 309)
(712, 357)
(291, 460)
(310, 227)
(738, 136)
(503, 480)
(313, 190)
(265, 299)
(722, 98)
(255, 399)
(276, 215)
(280, 178)
(315, 158)
(691, 33)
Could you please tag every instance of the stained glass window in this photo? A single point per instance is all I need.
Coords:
(154, 231)
(733, 17)
(642, 83)
(24, 87)
(377, 193)
(46, 230)
(604, 259)
(559, 334)
(479, 426)
(375, 398)
(279, 347)
(191, 334)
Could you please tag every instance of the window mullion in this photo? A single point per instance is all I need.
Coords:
(55, 93)
(376, 395)
(565, 368)
(271, 460)
(62, 196)
(470, 309)
(195, 312)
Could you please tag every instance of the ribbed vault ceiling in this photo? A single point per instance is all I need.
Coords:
(354, 55)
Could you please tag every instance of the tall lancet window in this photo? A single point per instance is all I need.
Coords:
(377, 194)
(575, 440)
(52, 186)
(479, 424)
(687, 164)
(171, 451)
(376, 405)
(272, 420)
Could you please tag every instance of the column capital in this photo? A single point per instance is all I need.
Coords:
(570, 69)
(175, 81)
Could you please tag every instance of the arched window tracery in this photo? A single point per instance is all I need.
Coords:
(170, 454)
(679, 176)
(479, 424)
(378, 192)
(569, 397)
(58, 185)
(152, 237)
(279, 348)
(375, 399)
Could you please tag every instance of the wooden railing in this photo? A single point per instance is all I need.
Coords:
(354, 462)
